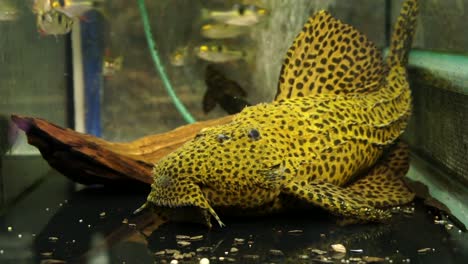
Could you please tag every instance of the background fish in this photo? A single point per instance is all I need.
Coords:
(8, 10)
(54, 23)
(179, 56)
(222, 31)
(219, 53)
(220, 90)
(240, 15)
(111, 66)
(71, 8)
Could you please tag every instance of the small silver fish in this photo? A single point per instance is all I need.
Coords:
(239, 15)
(71, 8)
(222, 31)
(8, 11)
(219, 53)
(111, 66)
(54, 23)
(179, 56)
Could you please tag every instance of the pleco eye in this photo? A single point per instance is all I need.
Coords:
(254, 134)
(221, 138)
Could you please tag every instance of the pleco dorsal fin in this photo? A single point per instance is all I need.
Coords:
(329, 57)
(403, 33)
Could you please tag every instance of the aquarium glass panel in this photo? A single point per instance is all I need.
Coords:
(34, 74)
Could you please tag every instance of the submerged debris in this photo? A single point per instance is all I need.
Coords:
(52, 261)
(204, 249)
(189, 255)
(407, 210)
(276, 253)
(440, 222)
(182, 237)
(339, 248)
(251, 257)
(425, 250)
(53, 239)
(178, 256)
(369, 259)
(183, 243)
(227, 259)
(239, 241)
(196, 238)
(317, 251)
(170, 251)
(322, 259)
(296, 232)
(448, 226)
(204, 261)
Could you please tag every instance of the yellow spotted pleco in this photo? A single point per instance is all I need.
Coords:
(329, 139)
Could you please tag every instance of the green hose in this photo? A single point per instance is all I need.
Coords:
(159, 66)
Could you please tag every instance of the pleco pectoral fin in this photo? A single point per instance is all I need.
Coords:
(193, 197)
(207, 207)
(337, 200)
(196, 198)
(383, 186)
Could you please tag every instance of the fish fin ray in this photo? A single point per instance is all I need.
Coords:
(337, 200)
(383, 185)
(403, 34)
(327, 58)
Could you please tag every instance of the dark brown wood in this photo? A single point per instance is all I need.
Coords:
(90, 160)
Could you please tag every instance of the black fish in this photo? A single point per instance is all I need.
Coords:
(220, 90)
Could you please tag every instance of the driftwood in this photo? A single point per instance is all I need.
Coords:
(90, 160)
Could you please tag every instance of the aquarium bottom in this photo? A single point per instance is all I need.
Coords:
(56, 223)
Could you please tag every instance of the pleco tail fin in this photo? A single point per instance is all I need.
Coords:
(403, 33)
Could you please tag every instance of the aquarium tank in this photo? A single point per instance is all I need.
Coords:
(106, 105)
